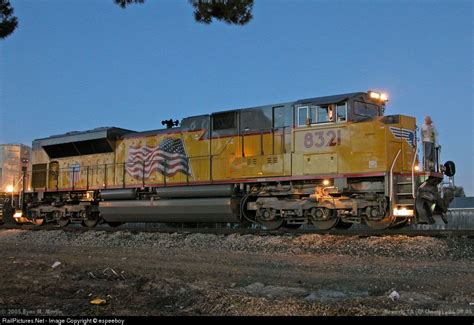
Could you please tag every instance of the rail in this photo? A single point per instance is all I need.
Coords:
(225, 230)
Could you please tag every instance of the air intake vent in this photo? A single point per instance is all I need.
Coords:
(272, 160)
(252, 161)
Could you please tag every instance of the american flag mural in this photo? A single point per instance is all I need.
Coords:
(168, 158)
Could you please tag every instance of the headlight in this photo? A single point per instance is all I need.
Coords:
(403, 212)
(378, 96)
(18, 214)
(374, 95)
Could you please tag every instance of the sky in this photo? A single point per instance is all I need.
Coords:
(82, 64)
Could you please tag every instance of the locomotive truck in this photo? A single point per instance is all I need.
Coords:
(327, 162)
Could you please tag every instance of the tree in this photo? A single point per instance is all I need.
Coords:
(236, 12)
(8, 22)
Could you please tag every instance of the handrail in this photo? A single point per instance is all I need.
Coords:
(413, 171)
(391, 177)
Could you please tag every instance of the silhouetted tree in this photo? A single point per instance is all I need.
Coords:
(237, 12)
(125, 3)
(8, 22)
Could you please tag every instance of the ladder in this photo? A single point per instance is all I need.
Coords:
(403, 190)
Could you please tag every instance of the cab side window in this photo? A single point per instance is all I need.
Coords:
(321, 114)
(341, 112)
(282, 116)
(325, 114)
(302, 115)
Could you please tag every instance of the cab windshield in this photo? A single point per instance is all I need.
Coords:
(364, 111)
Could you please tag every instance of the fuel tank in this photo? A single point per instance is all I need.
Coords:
(199, 191)
(119, 194)
(171, 210)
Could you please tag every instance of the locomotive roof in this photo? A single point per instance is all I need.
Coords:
(329, 99)
(334, 99)
(112, 133)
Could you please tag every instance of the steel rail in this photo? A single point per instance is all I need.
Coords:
(254, 231)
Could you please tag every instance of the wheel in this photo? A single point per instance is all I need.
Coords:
(322, 218)
(115, 224)
(34, 219)
(61, 218)
(38, 221)
(89, 220)
(381, 224)
(269, 219)
(384, 223)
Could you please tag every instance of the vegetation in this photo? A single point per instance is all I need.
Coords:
(236, 12)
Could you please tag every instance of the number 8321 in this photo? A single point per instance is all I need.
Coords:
(325, 138)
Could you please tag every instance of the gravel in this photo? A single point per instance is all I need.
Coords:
(404, 247)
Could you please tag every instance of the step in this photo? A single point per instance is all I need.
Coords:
(405, 202)
(404, 194)
(404, 183)
(404, 179)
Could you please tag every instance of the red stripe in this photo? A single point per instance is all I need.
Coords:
(251, 180)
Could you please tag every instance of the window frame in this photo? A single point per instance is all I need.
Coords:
(377, 109)
(285, 113)
(299, 108)
(345, 111)
(317, 107)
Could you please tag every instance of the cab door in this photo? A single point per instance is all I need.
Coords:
(281, 131)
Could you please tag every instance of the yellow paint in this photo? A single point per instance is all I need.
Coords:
(326, 149)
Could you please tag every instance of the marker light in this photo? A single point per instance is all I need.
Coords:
(9, 188)
(18, 215)
(326, 182)
(417, 168)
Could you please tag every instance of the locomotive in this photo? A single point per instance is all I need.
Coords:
(326, 162)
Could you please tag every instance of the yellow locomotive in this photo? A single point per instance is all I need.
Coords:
(327, 161)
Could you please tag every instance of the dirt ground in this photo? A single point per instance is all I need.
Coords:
(185, 274)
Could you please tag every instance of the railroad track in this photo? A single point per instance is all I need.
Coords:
(407, 231)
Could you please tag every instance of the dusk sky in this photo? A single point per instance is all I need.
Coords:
(82, 64)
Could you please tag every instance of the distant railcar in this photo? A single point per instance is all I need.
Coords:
(327, 161)
(14, 177)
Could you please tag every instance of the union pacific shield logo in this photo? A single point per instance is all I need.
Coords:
(401, 133)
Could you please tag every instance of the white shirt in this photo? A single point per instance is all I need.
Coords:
(429, 133)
